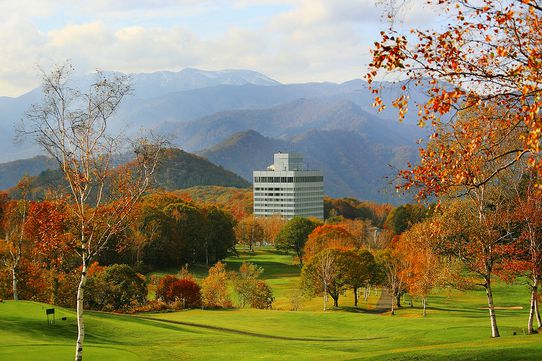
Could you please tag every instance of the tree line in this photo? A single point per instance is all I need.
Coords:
(39, 253)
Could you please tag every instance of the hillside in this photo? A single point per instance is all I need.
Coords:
(237, 201)
(353, 165)
(177, 171)
(183, 170)
(11, 172)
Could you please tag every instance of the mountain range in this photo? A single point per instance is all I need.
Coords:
(239, 118)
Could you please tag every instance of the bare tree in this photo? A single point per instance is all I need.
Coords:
(72, 127)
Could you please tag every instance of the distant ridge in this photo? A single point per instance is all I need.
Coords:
(289, 120)
(150, 85)
(178, 170)
(12, 172)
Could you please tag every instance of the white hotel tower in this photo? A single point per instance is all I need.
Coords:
(285, 188)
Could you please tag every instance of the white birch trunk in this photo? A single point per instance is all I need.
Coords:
(14, 274)
(424, 302)
(80, 308)
(392, 303)
(533, 310)
(325, 297)
(537, 313)
(491, 307)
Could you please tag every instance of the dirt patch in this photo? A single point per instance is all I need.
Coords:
(384, 303)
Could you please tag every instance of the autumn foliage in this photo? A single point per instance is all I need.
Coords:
(488, 59)
(185, 292)
(214, 288)
(325, 237)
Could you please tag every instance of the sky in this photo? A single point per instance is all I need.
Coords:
(291, 41)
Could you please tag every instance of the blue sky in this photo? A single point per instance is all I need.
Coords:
(288, 40)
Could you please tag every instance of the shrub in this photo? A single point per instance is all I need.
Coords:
(162, 290)
(262, 296)
(214, 289)
(150, 306)
(296, 300)
(245, 281)
(117, 287)
(185, 291)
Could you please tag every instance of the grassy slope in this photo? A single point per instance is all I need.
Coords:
(456, 328)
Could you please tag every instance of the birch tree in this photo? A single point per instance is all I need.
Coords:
(392, 266)
(528, 248)
(326, 274)
(15, 216)
(72, 126)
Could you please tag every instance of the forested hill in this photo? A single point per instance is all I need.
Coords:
(11, 172)
(183, 170)
(178, 170)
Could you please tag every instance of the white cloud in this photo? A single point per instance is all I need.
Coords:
(310, 40)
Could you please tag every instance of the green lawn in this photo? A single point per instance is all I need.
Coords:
(456, 328)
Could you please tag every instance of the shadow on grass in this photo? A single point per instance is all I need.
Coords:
(353, 309)
(39, 330)
(99, 330)
(259, 335)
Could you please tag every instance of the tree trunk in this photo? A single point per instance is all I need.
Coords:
(366, 293)
(335, 297)
(532, 310)
(14, 274)
(398, 300)
(80, 306)
(537, 313)
(392, 305)
(355, 297)
(325, 300)
(491, 307)
(424, 303)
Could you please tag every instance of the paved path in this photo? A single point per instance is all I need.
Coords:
(384, 302)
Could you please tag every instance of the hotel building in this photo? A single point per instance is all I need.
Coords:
(287, 189)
